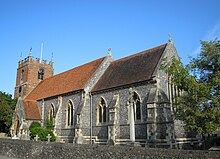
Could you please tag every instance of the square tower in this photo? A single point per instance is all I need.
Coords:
(30, 73)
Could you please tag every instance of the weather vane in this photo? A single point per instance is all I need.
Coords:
(21, 56)
(52, 56)
(30, 53)
(110, 51)
(170, 37)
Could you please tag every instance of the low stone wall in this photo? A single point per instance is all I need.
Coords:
(44, 150)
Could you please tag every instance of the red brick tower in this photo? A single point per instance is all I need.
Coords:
(29, 73)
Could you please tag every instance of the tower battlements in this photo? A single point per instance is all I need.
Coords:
(31, 59)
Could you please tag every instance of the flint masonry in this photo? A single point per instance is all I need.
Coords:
(105, 101)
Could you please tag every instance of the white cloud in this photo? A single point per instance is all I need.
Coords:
(213, 33)
(197, 51)
(210, 35)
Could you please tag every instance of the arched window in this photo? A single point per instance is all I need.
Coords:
(102, 111)
(137, 106)
(51, 114)
(69, 114)
(41, 74)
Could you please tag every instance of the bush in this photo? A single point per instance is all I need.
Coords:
(42, 134)
(34, 124)
(49, 124)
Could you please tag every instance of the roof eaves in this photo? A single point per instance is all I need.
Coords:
(123, 86)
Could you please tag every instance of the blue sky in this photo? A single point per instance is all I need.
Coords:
(78, 31)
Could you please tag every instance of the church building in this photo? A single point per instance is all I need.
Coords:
(105, 101)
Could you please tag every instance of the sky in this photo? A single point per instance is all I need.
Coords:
(79, 31)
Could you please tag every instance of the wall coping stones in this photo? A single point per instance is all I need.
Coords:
(42, 150)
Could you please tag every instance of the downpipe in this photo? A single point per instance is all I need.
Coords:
(90, 95)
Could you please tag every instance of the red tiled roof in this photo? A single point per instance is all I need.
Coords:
(69, 81)
(135, 68)
(31, 110)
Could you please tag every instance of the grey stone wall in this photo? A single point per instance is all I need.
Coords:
(85, 110)
(123, 131)
(62, 132)
(20, 115)
(44, 150)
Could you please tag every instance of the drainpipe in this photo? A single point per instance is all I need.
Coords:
(90, 95)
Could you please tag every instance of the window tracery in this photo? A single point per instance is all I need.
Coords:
(102, 112)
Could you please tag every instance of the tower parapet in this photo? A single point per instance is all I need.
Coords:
(31, 59)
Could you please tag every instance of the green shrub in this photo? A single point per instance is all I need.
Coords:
(49, 124)
(42, 134)
(34, 124)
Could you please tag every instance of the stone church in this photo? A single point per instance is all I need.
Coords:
(105, 101)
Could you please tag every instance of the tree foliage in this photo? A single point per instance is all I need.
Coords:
(199, 106)
(7, 106)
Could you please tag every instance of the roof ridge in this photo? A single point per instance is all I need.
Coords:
(140, 53)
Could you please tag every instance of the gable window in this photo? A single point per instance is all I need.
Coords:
(41, 74)
(102, 111)
(51, 114)
(69, 114)
(137, 106)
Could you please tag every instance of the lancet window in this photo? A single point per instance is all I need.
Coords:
(137, 106)
(69, 114)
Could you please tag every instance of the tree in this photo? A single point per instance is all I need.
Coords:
(199, 106)
(7, 106)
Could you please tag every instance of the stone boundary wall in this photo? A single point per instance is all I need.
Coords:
(44, 150)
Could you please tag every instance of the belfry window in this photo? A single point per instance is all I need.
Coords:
(41, 74)
(20, 89)
(69, 114)
(137, 107)
(22, 76)
(102, 112)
